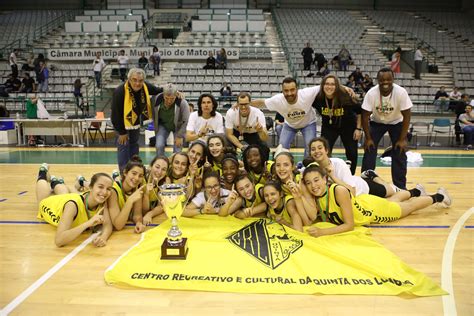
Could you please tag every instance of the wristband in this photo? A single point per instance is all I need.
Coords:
(359, 129)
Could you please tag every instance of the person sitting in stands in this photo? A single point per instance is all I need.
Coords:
(441, 99)
(27, 84)
(221, 59)
(210, 62)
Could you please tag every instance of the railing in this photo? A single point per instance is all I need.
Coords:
(292, 68)
(389, 44)
(28, 39)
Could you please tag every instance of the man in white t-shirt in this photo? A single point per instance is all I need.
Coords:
(295, 105)
(205, 121)
(247, 124)
(122, 61)
(418, 62)
(455, 94)
(98, 65)
(389, 108)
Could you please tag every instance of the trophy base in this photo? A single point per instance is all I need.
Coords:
(174, 252)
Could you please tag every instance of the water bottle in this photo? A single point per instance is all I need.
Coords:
(17, 115)
(65, 115)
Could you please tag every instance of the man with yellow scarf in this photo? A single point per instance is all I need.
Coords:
(131, 107)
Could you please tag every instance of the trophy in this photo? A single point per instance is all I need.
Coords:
(172, 197)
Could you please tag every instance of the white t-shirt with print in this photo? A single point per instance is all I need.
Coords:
(389, 111)
(232, 118)
(298, 115)
(196, 122)
(343, 172)
(200, 199)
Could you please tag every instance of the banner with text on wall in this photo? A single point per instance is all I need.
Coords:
(108, 53)
(260, 256)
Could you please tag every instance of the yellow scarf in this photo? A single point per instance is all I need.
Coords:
(130, 117)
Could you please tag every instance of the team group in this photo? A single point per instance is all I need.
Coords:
(237, 178)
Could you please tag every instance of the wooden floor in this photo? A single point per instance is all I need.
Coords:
(27, 252)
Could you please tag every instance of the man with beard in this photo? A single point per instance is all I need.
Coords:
(295, 105)
(390, 107)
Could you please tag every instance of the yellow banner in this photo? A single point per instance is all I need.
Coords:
(260, 256)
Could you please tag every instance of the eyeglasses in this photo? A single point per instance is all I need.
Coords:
(213, 187)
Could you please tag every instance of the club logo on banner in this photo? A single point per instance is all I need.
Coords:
(253, 255)
(268, 243)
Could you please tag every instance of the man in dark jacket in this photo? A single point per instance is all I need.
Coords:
(131, 107)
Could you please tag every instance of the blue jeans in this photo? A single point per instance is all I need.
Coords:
(98, 76)
(468, 134)
(43, 86)
(161, 137)
(288, 135)
(399, 159)
(125, 152)
(343, 64)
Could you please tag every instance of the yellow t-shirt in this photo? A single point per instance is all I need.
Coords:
(365, 207)
(121, 197)
(284, 213)
(51, 208)
(297, 180)
(261, 177)
(258, 199)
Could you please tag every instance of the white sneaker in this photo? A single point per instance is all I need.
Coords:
(421, 188)
(115, 174)
(446, 202)
(79, 184)
(44, 166)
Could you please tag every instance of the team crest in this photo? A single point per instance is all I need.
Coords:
(268, 242)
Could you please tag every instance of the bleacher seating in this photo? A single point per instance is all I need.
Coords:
(327, 31)
(446, 44)
(17, 24)
(261, 79)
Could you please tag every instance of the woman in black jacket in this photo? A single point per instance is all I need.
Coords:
(340, 117)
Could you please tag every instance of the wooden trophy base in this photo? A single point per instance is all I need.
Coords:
(174, 252)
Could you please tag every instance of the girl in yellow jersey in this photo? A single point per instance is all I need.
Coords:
(216, 149)
(73, 213)
(247, 201)
(256, 163)
(337, 205)
(197, 154)
(126, 200)
(230, 171)
(282, 208)
(178, 169)
(151, 206)
(285, 170)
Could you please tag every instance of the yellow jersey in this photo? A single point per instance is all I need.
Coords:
(365, 207)
(51, 208)
(284, 212)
